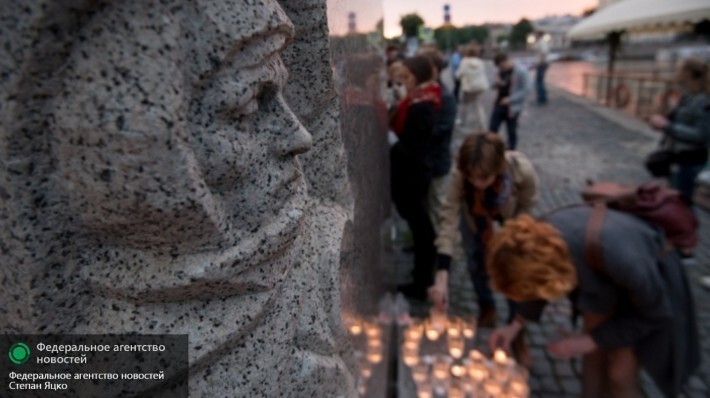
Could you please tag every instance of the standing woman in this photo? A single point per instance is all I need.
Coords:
(686, 130)
(489, 184)
(411, 174)
(474, 83)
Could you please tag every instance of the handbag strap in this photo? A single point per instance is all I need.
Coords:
(592, 236)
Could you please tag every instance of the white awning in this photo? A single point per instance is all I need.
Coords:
(641, 15)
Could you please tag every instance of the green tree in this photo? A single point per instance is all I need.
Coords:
(520, 32)
(410, 24)
(448, 37)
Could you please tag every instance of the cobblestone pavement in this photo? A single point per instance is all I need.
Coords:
(570, 141)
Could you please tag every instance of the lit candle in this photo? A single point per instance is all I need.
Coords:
(365, 372)
(420, 372)
(373, 331)
(414, 332)
(424, 389)
(456, 346)
(355, 328)
(456, 391)
(441, 367)
(476, 356)
(469, 328)
(432, 334)
(492, 387)
(410, 355)
(500, 356)
(411, 345)
(478, 372)
(453, 327)
(458, 370)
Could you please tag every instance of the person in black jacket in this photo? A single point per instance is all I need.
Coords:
(411, 172)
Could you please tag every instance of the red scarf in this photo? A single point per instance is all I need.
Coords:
(430, 91)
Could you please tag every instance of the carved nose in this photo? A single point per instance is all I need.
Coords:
(289, 136)
(298, 140)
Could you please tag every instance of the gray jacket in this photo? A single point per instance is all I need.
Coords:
(690, 125)
(646, 292)
(519, 90)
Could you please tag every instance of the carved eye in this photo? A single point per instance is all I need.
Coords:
(267, 95)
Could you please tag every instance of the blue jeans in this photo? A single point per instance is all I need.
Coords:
(683, 179)
(475, 260)
(500, 115)
(540, 89)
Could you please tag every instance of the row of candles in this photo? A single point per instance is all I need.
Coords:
(454, 374)
(369, 347)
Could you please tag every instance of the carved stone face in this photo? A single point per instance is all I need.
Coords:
(173, 134)
(175, 146)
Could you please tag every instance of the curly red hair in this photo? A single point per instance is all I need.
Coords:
(528, 260)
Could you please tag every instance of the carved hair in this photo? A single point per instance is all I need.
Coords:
(528, 259)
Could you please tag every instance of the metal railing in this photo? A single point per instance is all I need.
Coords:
(637, 94)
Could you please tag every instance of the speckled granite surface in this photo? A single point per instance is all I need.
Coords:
(162, 173)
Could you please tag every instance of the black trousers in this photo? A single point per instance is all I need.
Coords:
(410, 196)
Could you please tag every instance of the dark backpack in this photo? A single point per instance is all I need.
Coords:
(653, 202)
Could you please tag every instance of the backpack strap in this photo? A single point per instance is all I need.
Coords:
(592, 237)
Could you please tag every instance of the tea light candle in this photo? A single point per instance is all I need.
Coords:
(476, 356)
(414, 332)
(458, 370)
(456, 346)
(500, 356)
(492, 388)
(355, 328)
(453, 327)
(441, 367)
(431, 333)
(373, 331)
(478, 372)
(420, 372)
(469, 328)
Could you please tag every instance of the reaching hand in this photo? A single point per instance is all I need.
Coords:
(502, 337)
(505, 101)
(439, 292)
(658, 122)
(572, 346)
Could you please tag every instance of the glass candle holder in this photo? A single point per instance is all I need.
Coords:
(424, 389)
(434, 328)
(374, 351)
(492, 388)
(441, 367)
(457, 345)
(373, 331)
(454, 326)
(414, 331)
(420, 372)
(458, 370)
(469, 328)
(478, 371)
(456, 390)
(410, 355)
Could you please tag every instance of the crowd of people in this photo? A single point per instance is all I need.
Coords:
(635, 303)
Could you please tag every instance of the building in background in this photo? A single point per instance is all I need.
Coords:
(553, 30)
